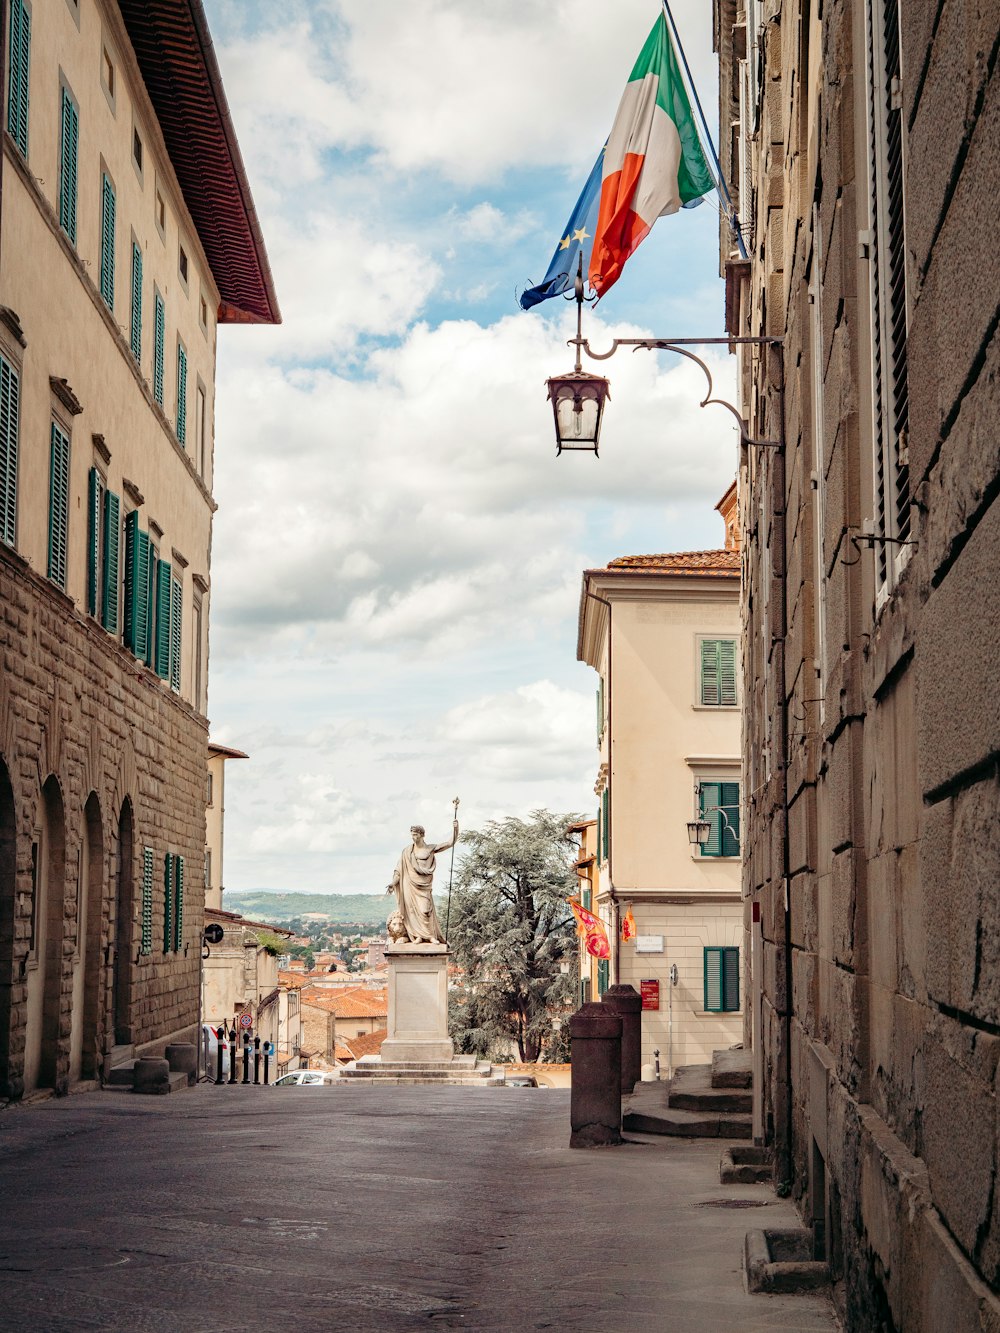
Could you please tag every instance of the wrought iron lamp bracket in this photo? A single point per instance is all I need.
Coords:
(871, 539)
(682, 346)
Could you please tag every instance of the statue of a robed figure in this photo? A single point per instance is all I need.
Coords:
(415, 920)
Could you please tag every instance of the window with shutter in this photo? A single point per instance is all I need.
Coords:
(716, 799)
(18, 74)
(137, 582)
(718, 673)
(112, 537)
(135, 330)
(722, 980)
(153, 559)
(68, 149)
(162, 655)
(176, 617)
(146, 944)
(182, 372)
(888, 293)
(603, 975)
(606, 822)
(168, 903)
(107, 282)
(159, 320)
(95, 513)
(58, 505)
(10, 411)
(178, 887)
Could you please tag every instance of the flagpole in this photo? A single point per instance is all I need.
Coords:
(721, 186)
(451, 872)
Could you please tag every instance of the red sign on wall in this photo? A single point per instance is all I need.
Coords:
(650, 992)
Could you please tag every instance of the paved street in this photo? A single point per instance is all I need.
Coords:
(363, 1209)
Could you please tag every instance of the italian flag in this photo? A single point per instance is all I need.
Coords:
(654, 163)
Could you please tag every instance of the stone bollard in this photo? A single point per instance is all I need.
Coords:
(151, 1076)
(595, 1108)
(626, 1001)
(182, 1057)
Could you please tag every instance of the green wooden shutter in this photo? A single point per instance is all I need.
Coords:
(153, 565)
(135, 330)
(599, 844)
(586, 896)
(107, 277)
(168, 903)
(731, 979)
(709, 672)
(727, 673)
(729, 799)
(709, 799)
(606, 821)
(146, 946)
(19, 69)
(159, 316)
(162, 660)
(10, 409)
(603, 975)
(182, 377)
(178, 903)
(68, 148)
(58, 506)
(112, 541)
(713, 981)
(137, 560)
(176, 618)
(95, 489)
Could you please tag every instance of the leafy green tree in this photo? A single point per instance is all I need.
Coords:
(513, 935)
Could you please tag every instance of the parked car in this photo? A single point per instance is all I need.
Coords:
(521, 1081)
(304, 1078)
(210, 1052)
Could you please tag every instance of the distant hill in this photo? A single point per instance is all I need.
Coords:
(363, 909)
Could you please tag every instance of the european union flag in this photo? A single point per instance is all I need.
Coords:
(579, 235)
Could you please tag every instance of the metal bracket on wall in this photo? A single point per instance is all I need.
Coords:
(870, 539)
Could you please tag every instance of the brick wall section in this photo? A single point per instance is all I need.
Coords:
(885, 1051)
(76, 706)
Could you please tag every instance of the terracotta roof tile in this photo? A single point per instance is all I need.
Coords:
(682, 562)
(369, 1044)
(358, 1004)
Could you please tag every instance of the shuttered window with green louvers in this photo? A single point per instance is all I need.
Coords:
(176, 619)
(718, 673)
(722, 980)
(108, 208)
(146, 945)
(603, 975)
(18, 74)
(159, 322)
(715, 800)
(161, 662)
(58, 506)
(112, 542)
(10, 413)
(136, 587)
(178, 890)
(168, 903)
(95, 511)
(149, 656)
(182, 376)
(135, 328)
(68, 149)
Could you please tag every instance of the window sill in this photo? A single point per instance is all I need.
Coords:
(716, 708)
(717, 1013)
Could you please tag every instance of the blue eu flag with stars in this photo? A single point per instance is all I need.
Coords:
(578, 236)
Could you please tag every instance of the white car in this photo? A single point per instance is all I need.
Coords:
(303, 1078)
(210, 1052)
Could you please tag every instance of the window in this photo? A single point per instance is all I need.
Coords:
(586, 898)
(168, 902)
(107, 275)
(182, 264)
(603, 975)
(176, 616)
(68, 147)
(198, 669)
(19, 71)
(722, 980)
(146, 943)
(606, 822)
(108, 75)
(136, 610)
(137, 150)
(10, 407)
(717, 658)
(719, 804)
(158, 336)
(103, 536)
(160, 214)
(888, 295)
(600, 711)
(58, 505)
(199, 430)
(135, 326)
(161, 620)
(203, 314)
(182, 377)
(208, 868)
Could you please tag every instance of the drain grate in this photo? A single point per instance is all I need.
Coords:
(733, 1203)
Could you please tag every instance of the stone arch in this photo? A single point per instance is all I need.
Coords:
(122, 976)
(88, 973)
(43, 965)
(8, 882)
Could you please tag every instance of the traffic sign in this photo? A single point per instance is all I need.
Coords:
(213, 933)
(246, 1022)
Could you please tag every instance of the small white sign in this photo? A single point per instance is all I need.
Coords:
(649, 943)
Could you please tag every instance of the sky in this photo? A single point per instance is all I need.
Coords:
(397, 554)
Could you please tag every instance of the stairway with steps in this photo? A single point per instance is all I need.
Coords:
(118, 1069)
(699, 1102)
(462, 1071)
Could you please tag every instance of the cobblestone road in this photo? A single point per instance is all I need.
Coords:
(362, 1209)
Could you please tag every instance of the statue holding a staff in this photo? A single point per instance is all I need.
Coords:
(415, 920)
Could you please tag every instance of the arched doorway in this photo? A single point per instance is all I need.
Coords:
(44, 962)
(8, 872)
(121, 1003)
(87, 971)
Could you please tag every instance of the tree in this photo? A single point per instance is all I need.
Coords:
(513, 934)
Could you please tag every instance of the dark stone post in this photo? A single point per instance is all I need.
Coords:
(595, 1108)
(626, 1001)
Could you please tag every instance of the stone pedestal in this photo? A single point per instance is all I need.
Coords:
(418, 1005)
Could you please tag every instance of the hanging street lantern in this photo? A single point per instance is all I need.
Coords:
(577, 406)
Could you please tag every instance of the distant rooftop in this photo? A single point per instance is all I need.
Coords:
(682, 562)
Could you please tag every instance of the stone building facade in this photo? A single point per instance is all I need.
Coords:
(860, 141)
(127, 234)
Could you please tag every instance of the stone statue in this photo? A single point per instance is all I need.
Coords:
(415, 920)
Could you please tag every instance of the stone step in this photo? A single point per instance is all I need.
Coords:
(687, 1124)
(120, 1079)
(732, 1069)
(692, 1089)
(398, 1080)
(415, 1071)
(120, 1055)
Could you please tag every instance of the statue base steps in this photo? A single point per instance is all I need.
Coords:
(460, 1071)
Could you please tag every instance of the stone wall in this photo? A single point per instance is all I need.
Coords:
(872, 745)
(82, 719)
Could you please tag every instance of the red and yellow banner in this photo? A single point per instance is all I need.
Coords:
(628, 925)
(591, 930)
